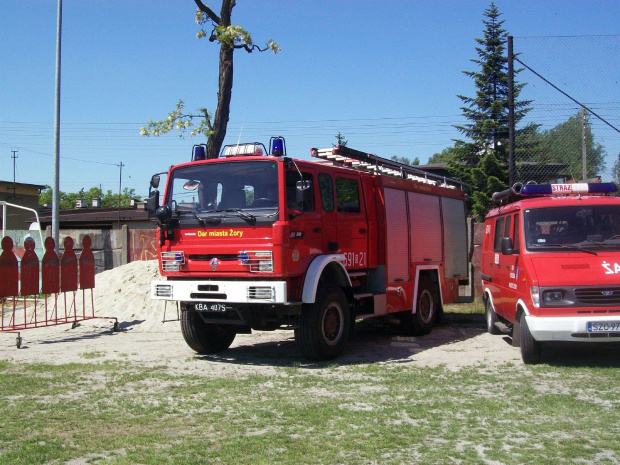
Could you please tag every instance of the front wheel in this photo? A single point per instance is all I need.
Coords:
(324, 325)
(205, 338)
(490, 316)
(530, 347)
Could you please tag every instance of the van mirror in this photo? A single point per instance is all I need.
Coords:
(507, 246)
(155, 181)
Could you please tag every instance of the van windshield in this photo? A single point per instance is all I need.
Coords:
(574, 228)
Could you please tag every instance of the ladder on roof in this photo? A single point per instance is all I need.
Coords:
(344, 156)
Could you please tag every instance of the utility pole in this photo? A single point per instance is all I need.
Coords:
(56, 188)
(120, 183)
(584, 153)
(14, 157)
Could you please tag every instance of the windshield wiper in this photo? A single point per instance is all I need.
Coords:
(576, 248)
(201, 221)
(242, 214)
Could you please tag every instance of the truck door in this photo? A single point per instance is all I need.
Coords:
(352, 224)
(511, 266)
(305, 219)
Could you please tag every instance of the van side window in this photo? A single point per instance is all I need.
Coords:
(507, 231)
(293, 185)
(347, 195)
(515, 245)
(499, 230)
(326, 187)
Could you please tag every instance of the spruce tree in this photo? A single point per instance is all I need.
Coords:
(482, 159)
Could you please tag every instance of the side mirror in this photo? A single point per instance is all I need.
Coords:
(155, 181)
(507, 246)
(152, 204)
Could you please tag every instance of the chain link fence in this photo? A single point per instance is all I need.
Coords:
(572, 129)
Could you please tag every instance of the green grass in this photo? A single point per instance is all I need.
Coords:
(367, 413)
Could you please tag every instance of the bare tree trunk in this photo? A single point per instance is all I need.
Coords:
(222, 112)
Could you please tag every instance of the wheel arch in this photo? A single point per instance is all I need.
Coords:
(328, 268)
(430, 272)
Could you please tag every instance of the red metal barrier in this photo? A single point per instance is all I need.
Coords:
(25, 306)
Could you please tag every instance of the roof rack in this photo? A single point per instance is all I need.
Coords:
(345, 156)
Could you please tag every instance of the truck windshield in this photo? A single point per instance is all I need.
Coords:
(225, 187)
(573, 228)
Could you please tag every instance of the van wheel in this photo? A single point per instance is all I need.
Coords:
(324, 325)
(491, 317)
(205, 338)
(530, 347)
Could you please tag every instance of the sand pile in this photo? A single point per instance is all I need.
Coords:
(124, 293)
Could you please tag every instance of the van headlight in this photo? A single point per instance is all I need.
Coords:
(535, 293)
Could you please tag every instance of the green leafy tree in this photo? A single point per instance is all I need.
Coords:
(68, 200)
(564, 144)
(230, 37)
(442, 157)
(481, 160)
(406, 161)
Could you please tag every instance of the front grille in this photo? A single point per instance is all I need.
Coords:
(209, 257)
(598, 295)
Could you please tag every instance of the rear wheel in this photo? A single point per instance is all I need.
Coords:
(422, 321)
(530, 347)
(324, 325)
(491, 317)
(205, 338)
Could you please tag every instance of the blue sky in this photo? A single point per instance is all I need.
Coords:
(384, 74)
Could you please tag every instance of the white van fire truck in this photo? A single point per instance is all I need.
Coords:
(258, 240)
(551, 264)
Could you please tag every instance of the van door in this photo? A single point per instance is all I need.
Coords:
(511, 265)
(504, 268)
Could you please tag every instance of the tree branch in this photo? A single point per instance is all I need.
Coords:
(208, 11)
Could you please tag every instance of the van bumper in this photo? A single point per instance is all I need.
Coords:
(575, 329)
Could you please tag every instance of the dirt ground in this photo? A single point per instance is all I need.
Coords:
(145, 340)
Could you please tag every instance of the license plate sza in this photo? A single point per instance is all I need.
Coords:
(209, 307)
(603, 326)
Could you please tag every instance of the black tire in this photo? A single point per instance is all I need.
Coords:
(490, 317)
(530, 347)
(323, 328)
(205, 338)
(422, 321)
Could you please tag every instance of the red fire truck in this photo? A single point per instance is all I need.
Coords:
(551, 264)
(255, 240)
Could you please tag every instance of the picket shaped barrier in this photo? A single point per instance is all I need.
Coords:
(31, 291)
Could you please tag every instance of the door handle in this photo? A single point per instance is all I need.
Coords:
(317, 230)
(363, 231)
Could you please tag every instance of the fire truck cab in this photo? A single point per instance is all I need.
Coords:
(551, 264)
(255, 240)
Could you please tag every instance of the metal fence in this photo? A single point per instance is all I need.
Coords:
(572, 130)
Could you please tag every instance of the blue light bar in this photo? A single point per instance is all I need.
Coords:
(199, 152)
(566, 189)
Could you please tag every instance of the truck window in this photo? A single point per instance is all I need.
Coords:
(293, 185)
(507, 231)
(499, 230)
(326, 186)
(347, 195)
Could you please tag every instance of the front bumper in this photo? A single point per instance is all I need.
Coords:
(574, 328)
(233, 292)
